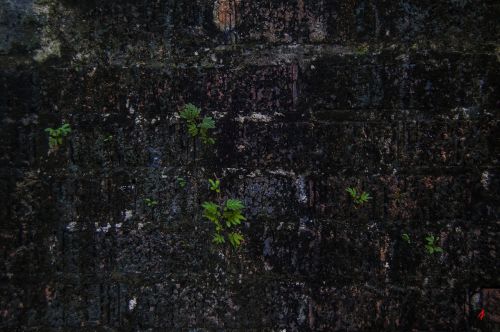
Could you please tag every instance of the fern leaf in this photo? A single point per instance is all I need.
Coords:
(234, 204)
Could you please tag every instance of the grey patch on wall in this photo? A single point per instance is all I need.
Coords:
(18, 23)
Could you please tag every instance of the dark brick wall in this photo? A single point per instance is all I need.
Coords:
(399, 98)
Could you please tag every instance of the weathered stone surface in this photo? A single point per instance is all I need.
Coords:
(399, 99)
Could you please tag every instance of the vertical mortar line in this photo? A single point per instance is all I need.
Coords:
(402, 147)
(101, 305)
(417, 139)
(230, 7)
(377, 20)
(235, 12)
(470, 269)
(63, 290)
(385, 201)
(195, 177)
(466, 306)
(108, 305)
(169, 8)
(295, 74)
(119, 305)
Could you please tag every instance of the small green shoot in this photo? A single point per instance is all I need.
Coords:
(358, 198)
(214, 185)
(406, 238)
(195, 125)
(150, 202)
(108, 138)
(431, 244)
(181, 182)
(362, 49)
(56, 135)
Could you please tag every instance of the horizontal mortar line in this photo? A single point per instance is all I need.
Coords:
(297, 53)
(357, 119)
(325, 46)
(457, 110)
(347, 116)
(242, 66)
(58, 172)
(231, 67)
(354, 225)
(81, 226)
(84, 227)
(460, 111)
(172, 132)
(339, 48)
(397, 122)
(120, 325)
(113, 327)
(166, 277)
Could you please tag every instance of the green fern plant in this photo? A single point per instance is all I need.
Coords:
(406, 238)
(56, 135)
(431, 244)
(226, 218)
(214, 185)
(181, 182)
(197, 126)
(359, 198)
(362, 49)
(150, 202)
(107, 138)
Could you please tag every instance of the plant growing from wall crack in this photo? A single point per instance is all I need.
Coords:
(181, 182)
(359, 198)
(431, 244)
(225, 214)
(214, 185)
(56, 135)
(150, 202)
(406, 238)
(196, 126)
(107, 138)
(226, 217)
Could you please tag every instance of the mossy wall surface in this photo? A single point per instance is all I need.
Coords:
(397, 98)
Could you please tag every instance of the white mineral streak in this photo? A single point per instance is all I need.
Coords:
(132, 303)
(103, 229)
(254, 117)
(485, 179)
(300, 184)
(71, 226)
(128, 214)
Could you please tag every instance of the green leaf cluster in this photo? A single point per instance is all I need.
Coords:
(190, 113)
(362, 49)
(359, 198)
(56, 135)
(431, 244)
(150, 202)
(195, 125)
(406, 237)
(181, 182)
(225, 218)
(214, 185)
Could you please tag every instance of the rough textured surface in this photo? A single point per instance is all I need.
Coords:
(398, 98)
